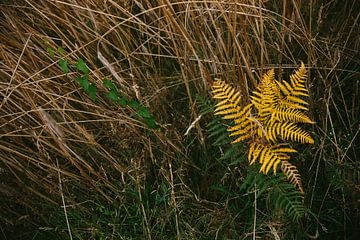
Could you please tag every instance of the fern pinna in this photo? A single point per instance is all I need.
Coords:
(269, 121)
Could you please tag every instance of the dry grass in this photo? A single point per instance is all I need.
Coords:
(162, 53)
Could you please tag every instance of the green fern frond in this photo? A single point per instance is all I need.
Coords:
(204, 105)
(280, 194)
(285, 196)
(218, 133)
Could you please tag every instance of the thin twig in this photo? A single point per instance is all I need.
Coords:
(63, 201)
(255, 209)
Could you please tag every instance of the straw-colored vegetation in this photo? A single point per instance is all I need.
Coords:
(107, 127)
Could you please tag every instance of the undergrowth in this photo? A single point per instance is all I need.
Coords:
(107, 131)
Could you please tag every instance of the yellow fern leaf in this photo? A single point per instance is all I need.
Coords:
(279, 154)
(269, 162)
(289, 90)
(242, 138)
(289, 131)
(285, 150)
(244, 133)
(230, 98)
(275, 109)
(284, 103)
(290, 115)
(240, 115)
(299, 77)
(269, 156)
(296, 100)
(254, 152)
(229, 109)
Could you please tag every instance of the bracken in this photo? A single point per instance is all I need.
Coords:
(269, 121)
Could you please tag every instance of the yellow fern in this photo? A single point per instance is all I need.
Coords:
(269, 120)
(287, 131)
(269, 156)
(230, 109)
(284, 114)
(293, 91)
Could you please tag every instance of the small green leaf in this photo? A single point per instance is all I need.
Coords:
(113, 96)
(134, 104)
(60, 50)
(83, 82)
(51, 52)
(144, 112)
(91, 91)
(81, 66)
(123, 102)
(63, 64)
(150, 122)
(108, 84)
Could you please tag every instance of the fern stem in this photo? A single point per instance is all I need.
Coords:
(255, 210)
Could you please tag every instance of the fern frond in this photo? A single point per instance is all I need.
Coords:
(266, 96)
(290, 90)
(298, 80)
(280, 193)
(204, 105)
(230, 99)
(294, 90)
(221, 90)
(272, 114)
(292, 174)
(284, 103)
(260, 182)
(287, 131)
(269, 156)
(287, 197)
(218, 132)
(283, 114)
(235, 112)
(229, 109)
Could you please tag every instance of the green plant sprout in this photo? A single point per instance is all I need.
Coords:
(91, 89)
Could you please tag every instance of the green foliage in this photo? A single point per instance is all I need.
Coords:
(132, 186)
(81, 66)
(142, 111)
(51, 52)
(91, 89)
(63, 64)
(83, 81)
(60, 50)
(279, 193)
